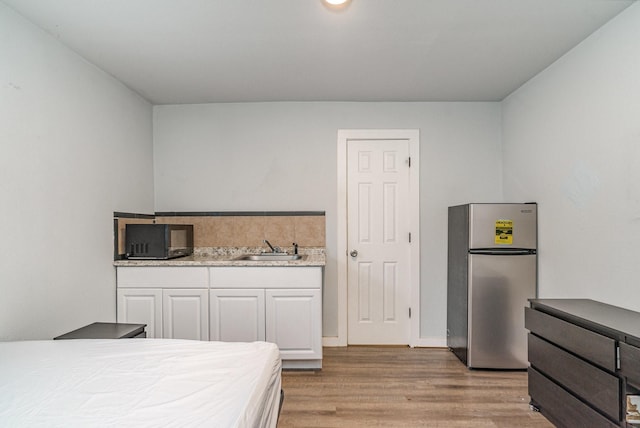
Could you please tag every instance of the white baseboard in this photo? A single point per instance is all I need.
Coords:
(332, 342)
(431, 342)
(423, 342)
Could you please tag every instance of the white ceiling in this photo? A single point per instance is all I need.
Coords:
(198, 51)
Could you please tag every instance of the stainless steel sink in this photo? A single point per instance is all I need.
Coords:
(268, 257)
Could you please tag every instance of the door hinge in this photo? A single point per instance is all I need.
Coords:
(409, 312)
(409, 236)
(618, 357)
(409, 161)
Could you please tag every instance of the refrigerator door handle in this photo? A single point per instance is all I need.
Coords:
(503, 251)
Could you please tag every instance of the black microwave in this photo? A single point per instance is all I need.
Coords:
(158, 241)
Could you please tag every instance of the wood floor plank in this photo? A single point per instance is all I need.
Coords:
(369, 386)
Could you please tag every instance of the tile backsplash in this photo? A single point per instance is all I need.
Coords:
(250, 231)
(239, 229)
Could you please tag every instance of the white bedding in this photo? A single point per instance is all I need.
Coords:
(139, 382)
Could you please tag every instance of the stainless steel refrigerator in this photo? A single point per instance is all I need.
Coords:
(492, 272)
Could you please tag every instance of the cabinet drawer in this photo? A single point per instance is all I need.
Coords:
(265, 277)
(163, 277)
(560, 407)
(590, 383)
(630, 363)
(599, 349)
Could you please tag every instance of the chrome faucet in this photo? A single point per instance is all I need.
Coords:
(273, 249)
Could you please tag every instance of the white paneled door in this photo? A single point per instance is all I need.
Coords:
(378, 242)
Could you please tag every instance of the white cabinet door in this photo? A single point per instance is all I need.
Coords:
(293, 322)
(185, 314)
(237, 315)
(141, 306)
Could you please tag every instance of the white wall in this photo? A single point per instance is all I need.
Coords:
(572, 142)
(283, 156)
(75, 146)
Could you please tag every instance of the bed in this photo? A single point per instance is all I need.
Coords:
(139, 382)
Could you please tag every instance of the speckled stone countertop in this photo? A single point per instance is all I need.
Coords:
(228, 256)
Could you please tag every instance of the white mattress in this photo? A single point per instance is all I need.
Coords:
(139, 382)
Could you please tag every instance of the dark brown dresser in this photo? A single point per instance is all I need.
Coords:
(584, 361)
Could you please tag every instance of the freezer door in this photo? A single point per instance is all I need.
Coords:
(503, 226)
(499, 289)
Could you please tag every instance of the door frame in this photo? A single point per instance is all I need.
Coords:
(413, 137)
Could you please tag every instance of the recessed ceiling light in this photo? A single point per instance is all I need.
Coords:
(336, 3)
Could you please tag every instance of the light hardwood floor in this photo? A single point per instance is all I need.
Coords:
(368, 386)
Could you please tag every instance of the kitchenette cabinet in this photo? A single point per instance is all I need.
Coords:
(172, 301)
(276, 304)
(281, 304)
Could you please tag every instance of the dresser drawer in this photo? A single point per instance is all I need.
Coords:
(560, 407)
(599, 349)
(630, 363)
(588, 382)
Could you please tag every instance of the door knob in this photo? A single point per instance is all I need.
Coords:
(354, 253)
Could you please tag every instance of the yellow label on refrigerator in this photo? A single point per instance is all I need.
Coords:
(504, 232)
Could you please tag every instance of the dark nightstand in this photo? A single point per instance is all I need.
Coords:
(106, 330)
